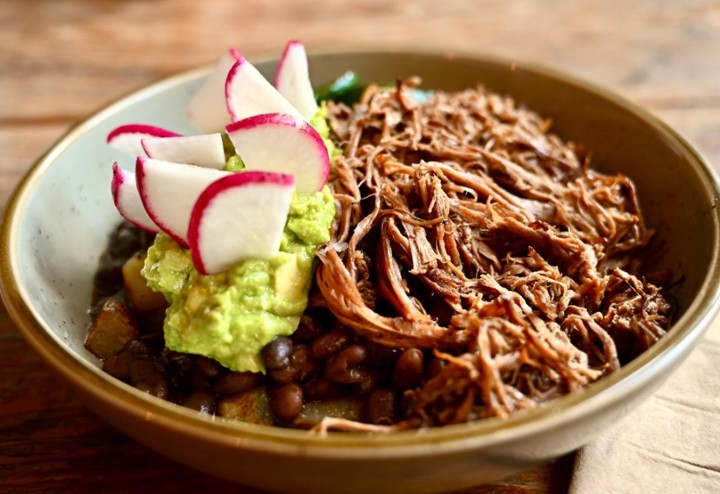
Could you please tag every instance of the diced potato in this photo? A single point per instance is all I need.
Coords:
(251, 406)
(113, 328)
(254, 407)
(349, 408)
(138, 293)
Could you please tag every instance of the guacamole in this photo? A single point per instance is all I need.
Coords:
(231, 316)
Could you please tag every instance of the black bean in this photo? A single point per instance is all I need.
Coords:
(321, 389)
(330, 343)
(434, 367)
(408, 371)
(180, 362)
(124, 241)
(140, 370)
(308, 330)
(145, 375)
(207, 366)
(371, 379)
(197, 379)
(381, 406)
(158, 388)
(283, 376)
(151, 322)
(234, 383)
(276, 354)
(302, 361)
(118, 365)
(202, 401)
(344, 367)
(286, 402)
(380, 355)
(138, 348)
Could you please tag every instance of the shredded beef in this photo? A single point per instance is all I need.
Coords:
(466, 229)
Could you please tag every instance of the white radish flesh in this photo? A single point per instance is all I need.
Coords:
(285, 144)
(204, 150)
(292, 79)
(127, 199)
(241, 216)
(128, 138)
(248, 93)
(207, 110)
(169, 192)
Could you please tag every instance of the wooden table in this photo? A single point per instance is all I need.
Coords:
(63, 60)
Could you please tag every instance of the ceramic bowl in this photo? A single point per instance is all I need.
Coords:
(58, 221)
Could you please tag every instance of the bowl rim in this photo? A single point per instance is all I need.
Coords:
(418, 442)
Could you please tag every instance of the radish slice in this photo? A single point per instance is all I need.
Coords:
(241, 216)
(169, 191)
(292, 79)
(282, 143)
(202, 150)
(248, 93)
(207, 110)
(128, 138)
(127, 199)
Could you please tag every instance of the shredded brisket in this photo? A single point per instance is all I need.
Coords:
(466, 229)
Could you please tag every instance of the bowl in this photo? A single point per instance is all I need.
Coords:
(58, 220)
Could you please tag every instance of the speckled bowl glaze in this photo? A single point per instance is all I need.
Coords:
(57, 223)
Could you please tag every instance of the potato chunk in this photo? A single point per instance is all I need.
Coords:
(142, 297)
(113, 328)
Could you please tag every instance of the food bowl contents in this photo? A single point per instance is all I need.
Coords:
(412, 258)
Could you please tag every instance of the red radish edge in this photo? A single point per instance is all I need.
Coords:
(290, 121)
(118, 178)
(207, 196)
(150, 130)
(230, 76)
(291, 44)
(235, 53)
(139, 176)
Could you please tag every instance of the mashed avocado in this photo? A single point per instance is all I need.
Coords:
(230, 316)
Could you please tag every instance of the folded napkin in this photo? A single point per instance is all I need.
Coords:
(671, 443)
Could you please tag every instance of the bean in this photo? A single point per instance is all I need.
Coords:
(202, 401)
(321, 389)
(197, 380)
(158, 389)
(330, 343)
(180, 362)
(125, 241)
(234, 383)
(380, 355)
(140, 370)
(146, 377)
(276, 354)
(154, 341)
(137, 348)
(343, 367)
(381, 407)
(151, 321)
(207, 366)
(118, 365)
(283, 376)
(408, 371)
(434, 367)
(286, 402)
(368, 383)
(303, 363)
(308, 330)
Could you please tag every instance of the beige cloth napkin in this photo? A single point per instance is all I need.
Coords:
(671, 443)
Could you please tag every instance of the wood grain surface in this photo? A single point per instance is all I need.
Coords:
(62, 60)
